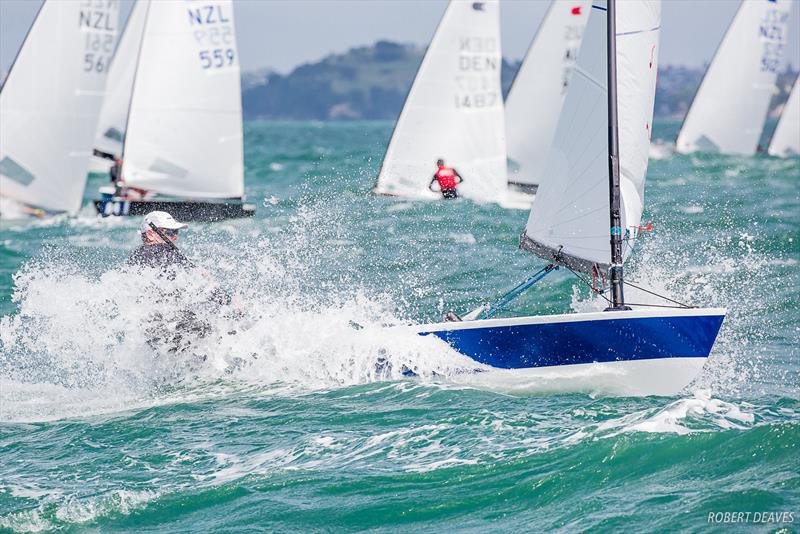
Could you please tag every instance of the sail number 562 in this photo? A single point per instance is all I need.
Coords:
(217, 58)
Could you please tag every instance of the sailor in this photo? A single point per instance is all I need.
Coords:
(158, 250)
(114, 171)
(154, 250)
(448, 179)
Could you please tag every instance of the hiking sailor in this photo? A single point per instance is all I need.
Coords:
(448, 179)
(159, 231)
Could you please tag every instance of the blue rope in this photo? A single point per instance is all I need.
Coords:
(504, 301)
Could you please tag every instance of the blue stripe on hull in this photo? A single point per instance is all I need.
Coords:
(567, 343)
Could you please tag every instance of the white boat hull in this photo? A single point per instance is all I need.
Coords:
(624, 378)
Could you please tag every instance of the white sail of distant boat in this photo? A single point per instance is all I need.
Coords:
(454, 110)
(50, 101)
(534, 101)
(570, 214)
(786, 139)
(114, 113)
(730, 108)
(184, 130)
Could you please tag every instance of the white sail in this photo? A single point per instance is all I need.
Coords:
(454, 110)
(50, 103)
(184, 135)
(570, 215)
(786, 139)
(534, 102)
(114, 113)
(730, 107)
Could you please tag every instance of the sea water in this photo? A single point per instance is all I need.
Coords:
(300, 411)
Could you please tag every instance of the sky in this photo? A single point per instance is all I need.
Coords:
(282, 34)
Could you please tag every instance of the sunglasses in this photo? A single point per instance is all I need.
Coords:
(169, 232)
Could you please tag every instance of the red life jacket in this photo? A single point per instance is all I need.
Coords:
(446, 177)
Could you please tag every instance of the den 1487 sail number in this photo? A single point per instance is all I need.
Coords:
(214, 32)
(477, 76)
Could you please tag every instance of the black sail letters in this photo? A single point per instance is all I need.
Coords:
(478, 70)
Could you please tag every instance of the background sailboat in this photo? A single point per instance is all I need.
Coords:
(454, 110)
(183, 143)
(786, 139)
(537, 94)
(730, 107)
(596, 176)
(114, 113)
(49, 105)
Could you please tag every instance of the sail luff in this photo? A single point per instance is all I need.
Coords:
(537, 93)
(22, 47)
(113, 119)
(616, 271)
(785, 140)
(137, 62)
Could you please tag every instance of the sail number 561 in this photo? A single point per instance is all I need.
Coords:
(217, 58)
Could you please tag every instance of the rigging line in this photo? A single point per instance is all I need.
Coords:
(596, 291)
(600, 292)
(629, 283)
(657, 305)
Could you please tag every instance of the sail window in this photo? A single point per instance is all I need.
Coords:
(13, 170)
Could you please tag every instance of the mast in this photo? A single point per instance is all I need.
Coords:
(615, 272)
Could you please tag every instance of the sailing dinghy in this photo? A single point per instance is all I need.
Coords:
(731, 104)
(595, 177)
(534, 101)
(49, 105)
(114, 113)
(183, 151)
(453, 111)
(785, 141)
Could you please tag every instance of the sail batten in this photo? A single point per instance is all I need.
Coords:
(184, 132)
(453, 111)
(570, 215)
(728, 112)
(47, 123)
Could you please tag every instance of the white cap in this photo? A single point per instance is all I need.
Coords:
(161, 219)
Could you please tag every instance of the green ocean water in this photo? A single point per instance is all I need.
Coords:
(296, 416)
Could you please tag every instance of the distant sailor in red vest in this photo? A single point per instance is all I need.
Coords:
(448, 179)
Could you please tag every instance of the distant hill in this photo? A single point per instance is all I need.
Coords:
(368, 82)
(371, 82)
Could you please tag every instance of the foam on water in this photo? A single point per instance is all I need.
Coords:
(92, 343)
(48, 515)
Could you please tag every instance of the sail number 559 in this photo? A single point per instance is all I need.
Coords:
(217, 58)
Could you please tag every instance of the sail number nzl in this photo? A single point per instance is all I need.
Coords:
(213, 31)
(216, 58)
(99, 26)
(772, 32)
